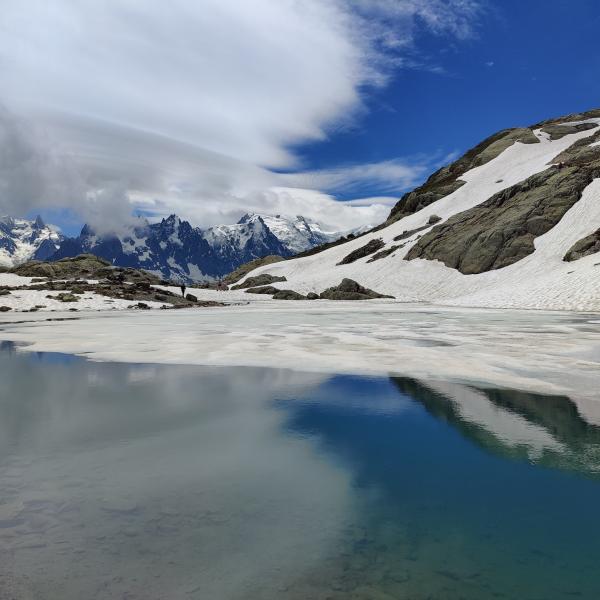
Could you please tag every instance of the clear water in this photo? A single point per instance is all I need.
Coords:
(165, 482)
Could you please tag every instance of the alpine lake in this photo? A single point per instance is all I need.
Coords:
(149, 482)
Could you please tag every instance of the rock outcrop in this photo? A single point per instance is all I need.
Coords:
(558, 131)
(502, 230)
(258, 280)
(244, 269)
(369, 248)
(447, 179)
(349, 289)
(265, 289)
(87, 273)
(288, 295)
(584, 247)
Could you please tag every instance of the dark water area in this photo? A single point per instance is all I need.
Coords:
(173, 482)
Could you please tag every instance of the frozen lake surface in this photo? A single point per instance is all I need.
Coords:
(146, 482)
(548, 352)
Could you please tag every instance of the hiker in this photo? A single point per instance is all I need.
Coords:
(182, 286)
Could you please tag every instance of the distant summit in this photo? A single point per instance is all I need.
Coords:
(22, 240)
(174, 249)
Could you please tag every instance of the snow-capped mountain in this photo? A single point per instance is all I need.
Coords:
(514, 222)
(174, 249)
(299, 234)
(244, 241)
(22, 240)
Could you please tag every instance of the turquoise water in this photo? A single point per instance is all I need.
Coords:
(167, 482)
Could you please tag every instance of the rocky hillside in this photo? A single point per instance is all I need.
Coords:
(175, 250)
(514, 222)
(22, 240)
(87, 282)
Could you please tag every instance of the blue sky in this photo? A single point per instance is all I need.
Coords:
(212, 108)
(527, 61)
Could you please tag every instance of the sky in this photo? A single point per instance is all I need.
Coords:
(212, 108)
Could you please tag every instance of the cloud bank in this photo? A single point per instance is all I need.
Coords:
(188, 106)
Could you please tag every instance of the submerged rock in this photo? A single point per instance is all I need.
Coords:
(349, 289)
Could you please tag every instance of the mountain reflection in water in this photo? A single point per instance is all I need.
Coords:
(148, 482)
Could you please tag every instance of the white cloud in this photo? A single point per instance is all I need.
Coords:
(388, 176)
(188, 104)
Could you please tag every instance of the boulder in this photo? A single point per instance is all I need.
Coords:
(584, 247)
(366, 250)
(259, 280)
(349, 289)
(266, 289)
(191, 297)
(64, 297)
(433, 219)
(288, 295)
(5, 308)
(140, 306)
(312, 296)
(4, 292)
(244, 269)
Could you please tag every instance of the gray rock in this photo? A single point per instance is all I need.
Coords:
(4, 292)
(5, 308)
(584, 247)
(191, 297)
(447, 179)
(409, 232)
(502, 230)
(288, 295)
(312, 296)
(64, 297)
(349, 289)
(383, 253)
(558, 131)
(244, 269)
(266, 289)
(433, 219)
(366, 250)
(258, 280)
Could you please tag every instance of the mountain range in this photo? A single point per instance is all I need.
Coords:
(171, 248)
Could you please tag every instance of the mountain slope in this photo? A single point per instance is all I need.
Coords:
(22, 240)
(546, 210)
